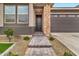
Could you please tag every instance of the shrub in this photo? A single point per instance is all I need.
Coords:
(26, 38)
(8, 32)
(13, 54)
(67, 54)
(51, 38)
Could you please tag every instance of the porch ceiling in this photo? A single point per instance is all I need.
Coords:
(39, 4)
(38, 8)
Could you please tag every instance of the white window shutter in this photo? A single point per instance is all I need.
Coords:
(1, 14)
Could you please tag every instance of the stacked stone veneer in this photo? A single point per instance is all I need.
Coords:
(46, 19)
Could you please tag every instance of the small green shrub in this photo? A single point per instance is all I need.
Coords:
(13, 54)
(51, 38)
(9, 32)
(26, 38)
(67, 54)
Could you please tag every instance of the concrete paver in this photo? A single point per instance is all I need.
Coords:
(39, 46)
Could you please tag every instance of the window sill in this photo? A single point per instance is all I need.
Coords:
(21, 23)
(15, 23)
(10, 22)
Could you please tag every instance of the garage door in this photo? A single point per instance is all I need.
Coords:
(65, 23)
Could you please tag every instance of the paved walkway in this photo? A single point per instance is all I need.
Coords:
(39, 46)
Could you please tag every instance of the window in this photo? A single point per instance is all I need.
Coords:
(71, 15)
(16, 13)
(77, 15)
(22, 14)
(55, 15)
(62, 15)
(10, 13)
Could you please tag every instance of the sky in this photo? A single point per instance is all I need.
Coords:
(65, 4)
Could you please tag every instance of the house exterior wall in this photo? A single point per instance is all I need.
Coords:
(31, 15)
(1, 15)
(49, 23)
(19, 29)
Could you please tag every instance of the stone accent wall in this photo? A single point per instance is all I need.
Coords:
(1, 14)
(46, 19)
(59, 48)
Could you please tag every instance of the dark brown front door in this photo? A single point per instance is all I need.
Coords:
(39, 23)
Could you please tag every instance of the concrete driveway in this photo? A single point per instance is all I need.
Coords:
(70, 40)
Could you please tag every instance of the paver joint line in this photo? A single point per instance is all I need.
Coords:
(39, 46)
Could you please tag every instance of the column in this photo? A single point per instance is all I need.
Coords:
(31, 15)
(46, 19)
(1, 14)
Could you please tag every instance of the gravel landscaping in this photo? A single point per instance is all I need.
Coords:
(20, 47)
(59, 48)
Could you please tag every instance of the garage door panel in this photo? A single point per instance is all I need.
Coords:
(65, 24)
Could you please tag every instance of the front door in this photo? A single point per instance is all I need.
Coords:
(39, 23)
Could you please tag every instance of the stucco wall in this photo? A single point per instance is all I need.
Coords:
(1, 15)
(31, 15)
(20, 29)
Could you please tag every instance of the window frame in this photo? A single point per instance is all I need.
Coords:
(16, 20)
(62, 15)
(71, 15)
(5, 16)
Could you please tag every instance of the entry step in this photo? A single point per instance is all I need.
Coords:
(38, 34)
(40, 52)
(40, 41)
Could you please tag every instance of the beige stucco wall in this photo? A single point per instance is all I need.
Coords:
(1, 14)
(46, 19)
(31, 15)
